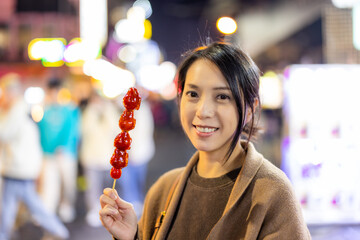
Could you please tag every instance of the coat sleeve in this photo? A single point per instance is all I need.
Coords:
(283, 218)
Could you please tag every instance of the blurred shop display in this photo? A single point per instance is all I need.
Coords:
(321, 147)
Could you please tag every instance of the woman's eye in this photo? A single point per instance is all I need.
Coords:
(223, 97)
(191, 94)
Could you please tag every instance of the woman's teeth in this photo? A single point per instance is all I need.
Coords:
(205, 129)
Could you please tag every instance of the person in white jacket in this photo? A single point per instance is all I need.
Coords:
(99, 127)
(21, 160)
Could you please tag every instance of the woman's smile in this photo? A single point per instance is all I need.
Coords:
(205, 131)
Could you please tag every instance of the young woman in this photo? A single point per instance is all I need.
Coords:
(227, 190)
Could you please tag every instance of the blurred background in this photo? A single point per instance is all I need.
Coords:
(309, 55)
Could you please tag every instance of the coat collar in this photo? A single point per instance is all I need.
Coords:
(251, 164)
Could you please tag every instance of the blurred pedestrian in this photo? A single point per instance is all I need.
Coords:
(21, 158)
(227, 190)
(59, 134)
(99, 127)
(133, 179)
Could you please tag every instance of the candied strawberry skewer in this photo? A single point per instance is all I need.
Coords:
(122, 141)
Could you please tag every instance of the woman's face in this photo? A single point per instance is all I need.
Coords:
(208, 110)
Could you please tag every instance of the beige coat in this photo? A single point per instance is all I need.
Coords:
(262, 204)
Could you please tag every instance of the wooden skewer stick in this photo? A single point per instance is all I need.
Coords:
(114, 184)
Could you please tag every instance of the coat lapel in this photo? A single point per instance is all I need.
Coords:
(250, 166)
(163, 230)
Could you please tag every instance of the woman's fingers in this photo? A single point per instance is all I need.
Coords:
(112, 193)
(110, 210)
(110, 201)
(122, 204)
(112, 198)
(108, 215)
(106, 200)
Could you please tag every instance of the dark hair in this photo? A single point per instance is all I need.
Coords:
(242, 75)
(54, 83)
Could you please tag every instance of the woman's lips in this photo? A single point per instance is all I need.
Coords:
(205, 130)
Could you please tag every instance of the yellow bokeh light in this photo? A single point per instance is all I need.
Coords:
(52, 64)
(148, 29)
(48, 50)
(226, 25)
(271, 91)
(64, 96)
(35, 49)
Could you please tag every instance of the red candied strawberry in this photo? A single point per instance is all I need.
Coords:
(132, 99)
(127, 121)
(115, 173)
(127, 125)
(122, 141)
(119, 159)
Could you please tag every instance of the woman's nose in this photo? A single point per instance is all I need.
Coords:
(205, 108)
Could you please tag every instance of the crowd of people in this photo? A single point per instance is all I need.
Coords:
(39, 161)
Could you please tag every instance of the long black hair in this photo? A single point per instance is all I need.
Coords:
(242, 75)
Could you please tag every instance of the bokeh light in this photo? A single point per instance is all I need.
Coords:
(114, 80)
(79, 50)
(128, 31)
(49, 50)
(113, 87)
(345, 3)
(37, 112)
(127, 53)
(93, 21)
(136, 14)
(169, 92)
(157, 77)
(271, 93)
(226, 25)
(64, 96)
(145, 4)
(34, 95)
(148, 29)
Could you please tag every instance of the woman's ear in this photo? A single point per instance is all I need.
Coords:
(248, 110)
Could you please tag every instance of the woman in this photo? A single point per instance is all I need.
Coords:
(227, 190)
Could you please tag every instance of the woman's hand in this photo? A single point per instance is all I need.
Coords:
(117, 215)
